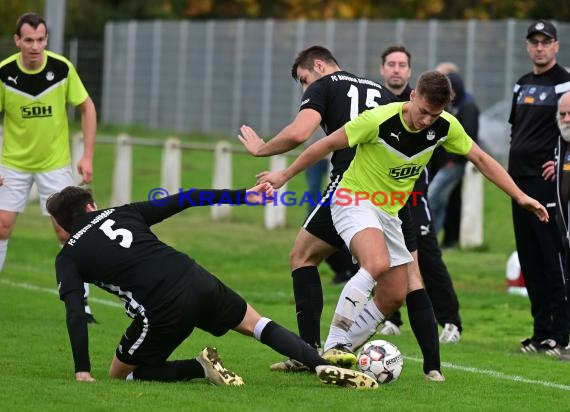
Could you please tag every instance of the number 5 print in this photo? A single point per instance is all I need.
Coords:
(126, 235)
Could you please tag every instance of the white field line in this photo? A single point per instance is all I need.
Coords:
(488, 372)
(497, 374)
(54, 292)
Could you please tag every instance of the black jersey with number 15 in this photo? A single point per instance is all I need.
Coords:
(340, 97)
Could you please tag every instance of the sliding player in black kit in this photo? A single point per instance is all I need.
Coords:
(165, 291)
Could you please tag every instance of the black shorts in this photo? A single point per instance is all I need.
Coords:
(320, 224)
(204, 302)
(409, 226)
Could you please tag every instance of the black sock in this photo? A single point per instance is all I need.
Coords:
(396, 318)
(288, 344)
(171, 371)
(308, 293)
(424, 325)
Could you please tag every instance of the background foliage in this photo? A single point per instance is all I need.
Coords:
(87, 18)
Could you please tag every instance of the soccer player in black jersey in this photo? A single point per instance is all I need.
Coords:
(331, 98)
(166, 293)
(534, 135)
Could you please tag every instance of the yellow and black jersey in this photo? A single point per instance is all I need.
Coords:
(36, 136)
(390, 157)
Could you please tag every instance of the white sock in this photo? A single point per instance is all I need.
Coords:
(365, 325)
(3, 250)
(353, 297)
(259, 326)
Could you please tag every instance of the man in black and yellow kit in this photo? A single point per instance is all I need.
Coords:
(331, 97)
(35, 87)
(396, 70)
(393, 142)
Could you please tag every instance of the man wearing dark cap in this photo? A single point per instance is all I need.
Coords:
(534, 134)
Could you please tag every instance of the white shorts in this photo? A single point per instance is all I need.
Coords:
(17, 184)
(350, 219)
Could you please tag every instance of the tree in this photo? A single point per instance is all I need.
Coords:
(86, 19)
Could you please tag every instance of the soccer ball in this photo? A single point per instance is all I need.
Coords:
(381, 360)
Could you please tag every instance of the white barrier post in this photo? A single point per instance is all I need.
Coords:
(170, 167)
(122, 173)
(276, 214)
(222, 177)
(471, 226)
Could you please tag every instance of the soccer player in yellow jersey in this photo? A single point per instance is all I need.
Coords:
(35, 87)
(394, 143)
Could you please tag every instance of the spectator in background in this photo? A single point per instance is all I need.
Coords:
(444, 192)
(35, 87)
(534, 134)
(558, 170)
(447, 67)
(396, 71)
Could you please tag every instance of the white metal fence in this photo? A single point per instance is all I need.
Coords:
(471, 230)
(171, 166)
(213, 76)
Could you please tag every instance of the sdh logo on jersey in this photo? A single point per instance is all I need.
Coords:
(405, 171)
(36, 109)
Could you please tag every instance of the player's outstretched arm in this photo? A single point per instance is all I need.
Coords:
(260, 194)
(534, 206)
(498, 175)
(318, 150)
(296, 133)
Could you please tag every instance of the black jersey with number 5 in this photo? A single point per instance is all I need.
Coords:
(338, 98)
(116, 250)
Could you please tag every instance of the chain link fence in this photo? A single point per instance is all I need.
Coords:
(213, 76)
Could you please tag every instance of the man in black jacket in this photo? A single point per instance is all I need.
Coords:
(534, 134)
(558, 170)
